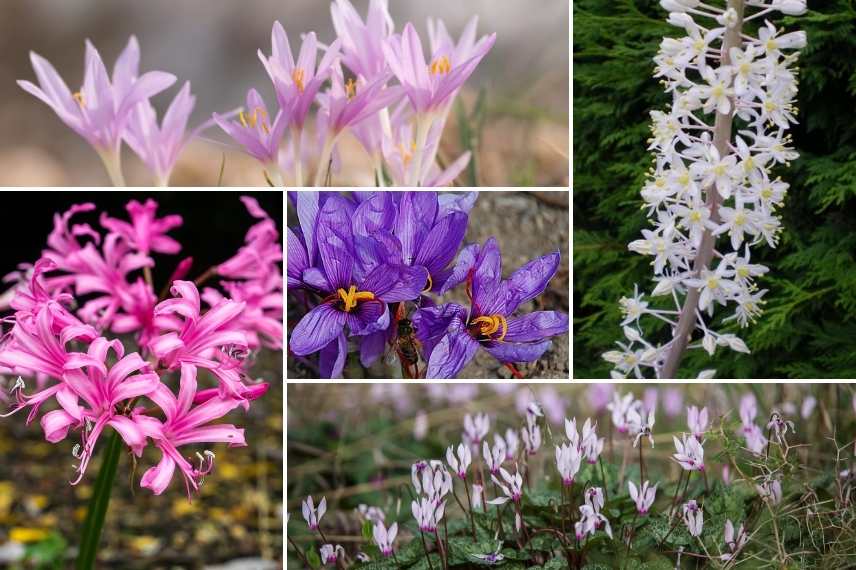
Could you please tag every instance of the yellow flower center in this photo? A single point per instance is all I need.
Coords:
(695, 216)
(78, 96)
(297, 76)
(351, 88)
(491, 324)
(352, 296)
(440, 66)
(258, 117)
(739, 219)
(712, 282)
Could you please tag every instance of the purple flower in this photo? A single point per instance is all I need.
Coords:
(431, 85)
(101, 109)
(362, 42)
(358, 284)
(159, 146)
(297, 83)
(451, 335)
(257, 132)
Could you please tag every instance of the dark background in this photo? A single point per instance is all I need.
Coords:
(215, 222)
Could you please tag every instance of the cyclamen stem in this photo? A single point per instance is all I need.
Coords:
(470, 505)
(721, 140)
(299, 553)
(98, 503)
(425, 546)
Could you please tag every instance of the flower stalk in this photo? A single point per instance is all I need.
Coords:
(96, 513)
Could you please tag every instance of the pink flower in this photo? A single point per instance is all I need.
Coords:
(261, 253)
(330, 554)
(87, 378)
(735, 541)
(313, 515)
(568, 459)
(384, 538)
(697, 421)
(261, 319)
(146, 233)
(512, 487)
(460, 463)
(643, 496)
(186, 424)
(690, 453)
(693, 518)
(494, 457)
(476, 428)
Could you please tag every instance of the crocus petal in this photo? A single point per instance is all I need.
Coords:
(374, 214)
(487, 277)
(442, 242)
(394, 283)
(416, 214)
(335, 241)
(372, 347)
(452, 353)
(432, 324)
(536, 326)
(316, 329)
(466, 261)
(331, 361)
(368, 317)
(530, 280)
(518, 352)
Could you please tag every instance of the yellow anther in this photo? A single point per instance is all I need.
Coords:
(297, 76)
(259, 117)
(440, 66)
(78, 96)
(352, 296)
(351, 88)
(430, 284)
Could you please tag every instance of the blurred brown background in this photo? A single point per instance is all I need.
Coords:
(213, 45)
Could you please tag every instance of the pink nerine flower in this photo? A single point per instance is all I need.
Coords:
(690, 453)
(643, 497)
(145, 233)
(187, 424)
(87, 378)
(262, 252)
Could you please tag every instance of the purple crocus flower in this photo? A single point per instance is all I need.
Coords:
(257, 133)
(159, 146)
(357, 285)
(101, 109)
(431, 85)
(451, 334)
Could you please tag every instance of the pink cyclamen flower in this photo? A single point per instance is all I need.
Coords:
(313, 515)
(590, 521)
(780, 426)
(568, 458)
(146, 232)
(430, 85)
(428, 513)
(770, 491)
(531, 433)
(690, 453)
(512, 443)
(693, 518)
(385, 537)
(591, 445)
(461, 463)
(620, 408)
(187, 421)
(330, 554)
(159, 146)
(642, 424)
(511, 486)
(735, 541)
(297, 83)
(643, 496)
(88, 378)
(495, 456)
(697, 421)
(257, 131)
(476, 428)
(101, 109)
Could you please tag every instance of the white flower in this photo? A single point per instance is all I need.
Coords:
(693, 518)
(511, 486)
(385, 537)
(690, 453)
(313, 515)
(643, 496)
(568, 459)
(330, 554)
(718, 91)
(476, 428)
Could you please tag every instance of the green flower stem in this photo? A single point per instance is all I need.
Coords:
(97, 511)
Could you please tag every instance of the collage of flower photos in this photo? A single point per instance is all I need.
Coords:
(409, 285)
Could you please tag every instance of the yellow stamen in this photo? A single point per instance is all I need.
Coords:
(79, 98)
(440, 66)
(351, 88)
(352, 296)
(430, 284)
(491, 324)
(259, 117)
(297, 76)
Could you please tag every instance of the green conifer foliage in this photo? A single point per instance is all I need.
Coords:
(808, 329)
